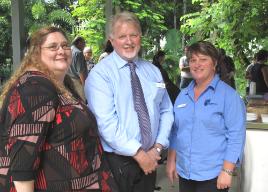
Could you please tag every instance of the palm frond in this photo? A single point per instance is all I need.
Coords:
(61, 17)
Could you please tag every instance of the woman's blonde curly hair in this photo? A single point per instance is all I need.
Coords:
(32, 59)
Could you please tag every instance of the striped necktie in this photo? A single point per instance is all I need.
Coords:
(140, 108)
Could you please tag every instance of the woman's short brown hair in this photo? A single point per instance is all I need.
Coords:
(205, 48)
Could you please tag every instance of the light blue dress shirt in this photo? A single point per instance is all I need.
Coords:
(207, 131)
(109, 95)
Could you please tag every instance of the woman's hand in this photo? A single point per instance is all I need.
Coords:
(224, 180)
(171, 166)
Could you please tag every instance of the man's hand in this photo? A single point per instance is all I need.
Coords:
(153, 153)
(147, 164)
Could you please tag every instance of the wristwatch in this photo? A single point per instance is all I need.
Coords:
(158, 149)
(229, 172)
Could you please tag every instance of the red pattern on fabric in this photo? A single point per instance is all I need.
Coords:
(77, 157)
(105, 186)
(15, 108)
(65, 109)
(11, 142)
(100, 148)
(36, 163)
(41, 181)
(68, 113)
(46, 146)
(12, 189)
(58, 119)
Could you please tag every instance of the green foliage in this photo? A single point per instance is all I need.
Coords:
(44, 14)
(5, 32)
(5, 70)
(4, 38)
(4, 7)
(38, 13)
(173, 50)
(239, 27)
(90, 24)
(39, 10)
(61, 17)
(173, 45)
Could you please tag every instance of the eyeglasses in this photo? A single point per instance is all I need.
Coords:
(55, 47)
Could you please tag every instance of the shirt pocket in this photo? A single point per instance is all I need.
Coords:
(213, 120)
(157, 91)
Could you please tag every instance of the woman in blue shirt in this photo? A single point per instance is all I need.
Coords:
(208, 136)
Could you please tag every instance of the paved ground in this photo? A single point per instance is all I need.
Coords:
(162, 181)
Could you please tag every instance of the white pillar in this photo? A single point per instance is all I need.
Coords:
(108, 14)
(18, 32)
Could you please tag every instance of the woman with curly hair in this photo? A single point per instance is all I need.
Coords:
(48, 137)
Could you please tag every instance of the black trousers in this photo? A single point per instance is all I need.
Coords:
(128, 175)
(199, 186)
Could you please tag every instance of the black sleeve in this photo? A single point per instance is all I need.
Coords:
(32, 106)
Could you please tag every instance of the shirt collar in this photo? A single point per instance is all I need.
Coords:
(120, 62)
(212, 85)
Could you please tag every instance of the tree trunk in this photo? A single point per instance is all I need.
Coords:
(175, 14)
(184, 11)
(108, 14)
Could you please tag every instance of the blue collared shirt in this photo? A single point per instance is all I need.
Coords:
(109, 95)
(208, 131)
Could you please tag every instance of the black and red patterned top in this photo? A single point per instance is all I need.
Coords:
(50, 139)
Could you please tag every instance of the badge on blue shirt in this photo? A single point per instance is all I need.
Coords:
(181, 105)
(160, 85)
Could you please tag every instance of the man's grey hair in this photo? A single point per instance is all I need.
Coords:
(87, 50)
(123, 17)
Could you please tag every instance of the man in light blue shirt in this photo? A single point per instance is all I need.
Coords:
(109, 95)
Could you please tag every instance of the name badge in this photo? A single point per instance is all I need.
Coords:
(160, 85)
(181, 105)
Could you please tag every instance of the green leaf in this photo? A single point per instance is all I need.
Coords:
(38, 10)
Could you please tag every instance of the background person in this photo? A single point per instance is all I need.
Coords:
(107, 50)
(226, 68)
(208, 135)
(248, 76)
(172, 89)
(89, 58)
(78, 68)
(186, 76)
(258, 72)
(133, 127)
(48, 137)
